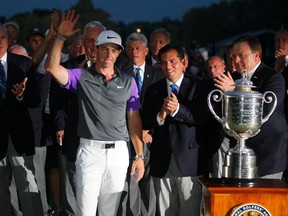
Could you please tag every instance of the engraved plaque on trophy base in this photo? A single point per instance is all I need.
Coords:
(240, 165)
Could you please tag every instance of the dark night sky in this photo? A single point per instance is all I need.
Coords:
(120, 10)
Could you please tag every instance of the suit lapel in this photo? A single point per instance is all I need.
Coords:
(146, 79)
(257, 77)
(187, 87)
(10, 67)
(15, 73)
(163, 88)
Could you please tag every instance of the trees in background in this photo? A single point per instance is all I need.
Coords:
(206, 25)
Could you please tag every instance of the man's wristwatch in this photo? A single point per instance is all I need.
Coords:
(142, 156)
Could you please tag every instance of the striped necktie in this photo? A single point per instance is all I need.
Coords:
(138, 79)
(2, 82)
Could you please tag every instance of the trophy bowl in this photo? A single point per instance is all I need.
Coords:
(242, 117)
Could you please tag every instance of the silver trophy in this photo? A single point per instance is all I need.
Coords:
(242, 117)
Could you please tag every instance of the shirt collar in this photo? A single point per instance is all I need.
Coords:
(4, 58)
(178, 82)
(142, 67)
(286, 61)
(250, 73)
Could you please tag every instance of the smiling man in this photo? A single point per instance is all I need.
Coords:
(270, 144)
(173, 108)
(106, 97)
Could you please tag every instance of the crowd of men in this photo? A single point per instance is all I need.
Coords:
(90, 127)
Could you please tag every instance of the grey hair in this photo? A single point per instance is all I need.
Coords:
(94, 24)
(23, 49)
(163, 31)
(137, 37)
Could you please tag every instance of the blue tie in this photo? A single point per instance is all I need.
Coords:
(2, 82)
(138, 79)
(174, 88)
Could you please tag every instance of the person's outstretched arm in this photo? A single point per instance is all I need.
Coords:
(64, 30)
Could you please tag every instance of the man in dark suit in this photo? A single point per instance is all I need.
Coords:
(270, 143)
(281, 61)
(211, 143)
(37, 44)
(281, 65)
(18, 93)
(174, 112)
(142, 200)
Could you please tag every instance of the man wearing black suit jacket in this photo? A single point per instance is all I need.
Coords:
(281, 60)
(270, 144)
(174, 150)
(16, 131)
(142, 200)
(281, 65)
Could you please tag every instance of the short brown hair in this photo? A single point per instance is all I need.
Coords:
(252, 42)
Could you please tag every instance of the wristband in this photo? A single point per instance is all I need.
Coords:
(141, 156)
(60, 37)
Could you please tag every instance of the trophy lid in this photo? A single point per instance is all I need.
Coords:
(243, 85)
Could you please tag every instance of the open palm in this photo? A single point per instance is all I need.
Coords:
(66, 26)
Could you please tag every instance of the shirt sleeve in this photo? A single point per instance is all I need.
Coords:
(73, 79)
(134, 101)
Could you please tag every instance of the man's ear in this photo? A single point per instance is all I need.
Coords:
(257, 55)
(120, 50)
(146, 51)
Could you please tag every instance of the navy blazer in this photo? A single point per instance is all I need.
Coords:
(178, 134)
(14, 116)
(285, 75)
(36, 114)
(151, 76)
(270, 144)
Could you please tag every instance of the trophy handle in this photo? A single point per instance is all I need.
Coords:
(217, 99)
(268, 100)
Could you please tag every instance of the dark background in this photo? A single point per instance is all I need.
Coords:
(213, 27)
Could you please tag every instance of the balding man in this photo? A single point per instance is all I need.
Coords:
(215, 65)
